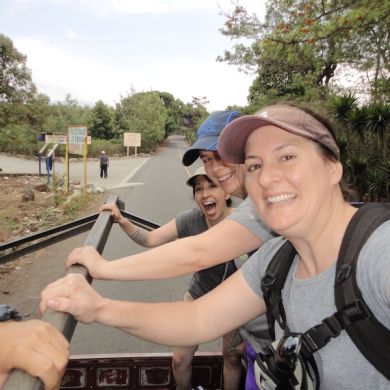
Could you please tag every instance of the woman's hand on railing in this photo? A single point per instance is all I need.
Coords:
(72, 294)
(114, 211)
(90, 258)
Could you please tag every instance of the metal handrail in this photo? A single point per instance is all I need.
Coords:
(64, 322)
(65, 231)
(48, 232)
(17, 253)
(97, 238)
(140, 222)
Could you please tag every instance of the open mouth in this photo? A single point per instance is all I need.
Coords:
(209, 205)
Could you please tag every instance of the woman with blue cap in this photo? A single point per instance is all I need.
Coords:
(241, 232)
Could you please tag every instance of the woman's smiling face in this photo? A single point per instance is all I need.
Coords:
(231, 177)
(288, 179)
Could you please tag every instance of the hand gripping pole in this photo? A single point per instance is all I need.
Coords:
(64, 322)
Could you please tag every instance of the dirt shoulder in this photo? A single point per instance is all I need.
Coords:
(27, 206)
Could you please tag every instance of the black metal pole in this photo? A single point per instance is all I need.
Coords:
(65, 323)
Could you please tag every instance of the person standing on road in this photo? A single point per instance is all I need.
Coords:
(213, 206)
(104, 163)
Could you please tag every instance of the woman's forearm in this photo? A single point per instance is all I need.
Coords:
(175, 323)
(215, 246)
(150, 239)
(166, 261)
(137, 234)
(161, 323)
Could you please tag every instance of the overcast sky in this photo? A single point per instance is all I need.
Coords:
(100, 49)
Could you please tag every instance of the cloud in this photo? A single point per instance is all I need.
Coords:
(58, 74)
(104, 7)
(57, 70)
(222, 84)
(70, 33)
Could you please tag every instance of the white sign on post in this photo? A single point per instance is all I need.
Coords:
(132, 139)
(76, 136)
(56, 138)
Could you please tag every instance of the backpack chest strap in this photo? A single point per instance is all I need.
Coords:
(318, 336)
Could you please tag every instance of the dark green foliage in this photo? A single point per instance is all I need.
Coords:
(100, 124)
(17, 139)
(364, 138)
(173, 111)
(15, 78)
(341, 106)
(112, 147)
(381, 89)
(65, 114)
(144, 113)
(193, 114)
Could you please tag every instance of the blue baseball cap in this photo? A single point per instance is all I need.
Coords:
(208, 133)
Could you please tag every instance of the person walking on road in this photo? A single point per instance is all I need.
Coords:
(104, 163)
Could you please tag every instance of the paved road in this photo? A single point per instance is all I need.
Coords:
(154, 190)
(120, 170)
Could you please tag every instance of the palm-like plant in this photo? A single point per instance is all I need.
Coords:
(364, 138)
(378, 123)
(357, 121)
(341, 106)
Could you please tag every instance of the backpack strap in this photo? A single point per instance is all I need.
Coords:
(369, 335)
(353, 314)
(272, 284)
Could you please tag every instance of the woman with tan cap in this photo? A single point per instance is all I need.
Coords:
(293, 178)
(213, 206)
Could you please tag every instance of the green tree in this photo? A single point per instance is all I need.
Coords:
(144, 113)
(194, 114)
(15, 78)
(100, 123)
(174, 109)
(67, 113)
(301, 43)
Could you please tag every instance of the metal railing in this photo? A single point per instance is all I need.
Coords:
(64, 322)
(12, 250)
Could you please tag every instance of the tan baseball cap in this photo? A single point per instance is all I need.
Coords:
(231, 144)
(199, 172)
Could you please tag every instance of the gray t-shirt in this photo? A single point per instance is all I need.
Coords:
(308, 301)
(246, 215)
(255, 331)
(191, 223)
